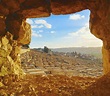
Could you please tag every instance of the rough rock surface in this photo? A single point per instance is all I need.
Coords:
(38, 85)
(34, 9)
(58, 85)
(9, 56)
(99, 26)
(13, 14)
(2, 26)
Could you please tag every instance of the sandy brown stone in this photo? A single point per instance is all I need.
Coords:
(21, 1)
(99, 26)
(13, 23)
(9, 59)
(34, 9)
(68, 6)
(3, 10)
(2, 27)
(25, 33)
(12, 5)
(20, 29)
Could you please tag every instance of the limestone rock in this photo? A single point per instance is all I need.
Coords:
(13, 24)
(2, 27)
(34, 9)
(21, 1)
(68, 6)
(5, 41)
(99, 22)
(21, 30)
(4, 71)
(25, 33)
(1, 84)
(3, 53)
(9, 63)
(12, 5)
(3, 10)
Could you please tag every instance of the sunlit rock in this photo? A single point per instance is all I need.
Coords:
(9, 59)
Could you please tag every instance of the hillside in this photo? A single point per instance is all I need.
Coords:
(96, 51)
(38, 62)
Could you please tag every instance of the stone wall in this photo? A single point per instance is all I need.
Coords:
(14, 31)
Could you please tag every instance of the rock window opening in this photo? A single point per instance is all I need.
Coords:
(69, 47)
(15, 32)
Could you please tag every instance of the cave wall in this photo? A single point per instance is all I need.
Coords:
(99, 26)
(14, 31)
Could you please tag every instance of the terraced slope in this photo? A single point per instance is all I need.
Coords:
(35, 62)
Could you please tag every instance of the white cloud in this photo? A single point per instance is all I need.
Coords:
(29, 21)
(44, 23)
(83, 37)
(37, 26)
(76, 17)
(52, 32)
(38, 23)
(35, 34)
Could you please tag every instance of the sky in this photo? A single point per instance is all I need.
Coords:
(59, 31)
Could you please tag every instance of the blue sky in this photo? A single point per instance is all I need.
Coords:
(59, 31)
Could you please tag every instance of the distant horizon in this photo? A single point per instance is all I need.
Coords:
(69, 47)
